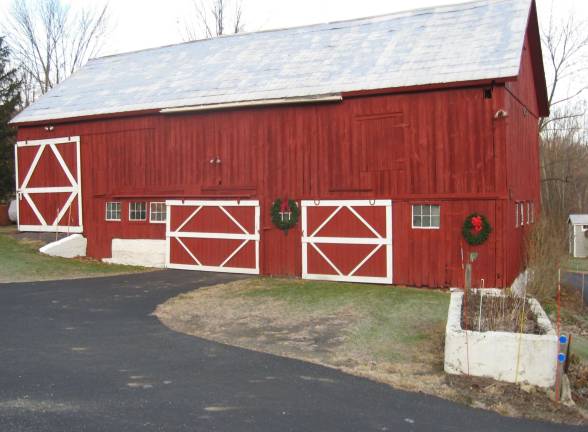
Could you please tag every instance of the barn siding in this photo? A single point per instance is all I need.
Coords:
(522, 161)
(430, 147)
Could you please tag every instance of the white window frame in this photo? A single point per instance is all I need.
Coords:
(130, 211)
(528, 212)
(522, 213)
(532, 212)
(119, 211)
(517, 215)
(161, 203)
(430, 215)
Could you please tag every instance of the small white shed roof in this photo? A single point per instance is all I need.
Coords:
(579, 219)
(465, 42)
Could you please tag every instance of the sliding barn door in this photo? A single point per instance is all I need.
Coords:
(48, 184)
(220, 236)
(347, 241)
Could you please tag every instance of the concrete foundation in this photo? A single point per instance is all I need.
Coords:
(145, 253)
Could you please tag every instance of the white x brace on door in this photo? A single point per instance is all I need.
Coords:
(347, 240)
(46, 206)
(221, 236)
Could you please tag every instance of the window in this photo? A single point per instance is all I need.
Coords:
(516, 215)
(522, 212)
(157, 212)
(137, 211)
(528, 212)
(532, 211)
(425, 216)
(113, 211)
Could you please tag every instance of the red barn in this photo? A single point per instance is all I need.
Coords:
(387, 132)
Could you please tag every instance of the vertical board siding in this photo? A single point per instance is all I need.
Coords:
(429, 147)
(522, 162)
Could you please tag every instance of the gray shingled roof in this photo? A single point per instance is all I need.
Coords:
(472, 41)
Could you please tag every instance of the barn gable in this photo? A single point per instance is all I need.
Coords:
(469, 42)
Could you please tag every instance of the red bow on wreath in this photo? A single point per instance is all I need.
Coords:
(477, 224)
(285, 207)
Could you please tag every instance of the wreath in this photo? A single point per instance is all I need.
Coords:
(476, 229)
(285, 213)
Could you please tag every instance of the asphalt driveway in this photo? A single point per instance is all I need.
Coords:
(87, 355)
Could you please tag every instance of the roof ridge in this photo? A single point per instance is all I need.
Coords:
(417, 11)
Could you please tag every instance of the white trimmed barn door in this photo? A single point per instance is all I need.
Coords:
(348, 241)
(48, 185)
(221, 236)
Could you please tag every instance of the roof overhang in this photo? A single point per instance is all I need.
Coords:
(537, 59)
(255, 103)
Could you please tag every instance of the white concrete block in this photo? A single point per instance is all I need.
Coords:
(494, 354)
(69, 247)
(138, 252)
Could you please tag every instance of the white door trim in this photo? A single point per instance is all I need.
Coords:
(378, 241)
(75, 188)
(223, 206)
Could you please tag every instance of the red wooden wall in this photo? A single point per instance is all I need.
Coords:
(439, 147)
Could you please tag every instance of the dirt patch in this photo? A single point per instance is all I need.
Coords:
(337, 334)
(266, 326)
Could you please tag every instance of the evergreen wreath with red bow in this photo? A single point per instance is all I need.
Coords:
(476, 229)
(285, 213)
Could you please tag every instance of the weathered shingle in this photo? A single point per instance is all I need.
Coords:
(473, 41)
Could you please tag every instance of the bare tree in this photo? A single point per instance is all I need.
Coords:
(214, 18)
(565, 46)
(564, 149)
(50, 41)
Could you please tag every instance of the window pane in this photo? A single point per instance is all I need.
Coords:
(426, 221)
(435, 221)
(435, 210)
(137, 211)
(113, 211)
(416, 210)
(426, 210)
(416, 221)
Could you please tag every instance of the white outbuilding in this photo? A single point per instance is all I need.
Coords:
(578, 229)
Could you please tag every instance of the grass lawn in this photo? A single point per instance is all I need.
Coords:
(580, 347)
(20, 261)
(396, 322)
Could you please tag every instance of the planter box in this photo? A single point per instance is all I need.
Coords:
(494, 354)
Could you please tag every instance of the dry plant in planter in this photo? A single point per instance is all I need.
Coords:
(498, 312)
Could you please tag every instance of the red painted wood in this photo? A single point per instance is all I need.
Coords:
(47, 173)
(440, 146)
(212, 252)
(345, 224)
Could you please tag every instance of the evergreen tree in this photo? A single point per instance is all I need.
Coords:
(9, 102)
